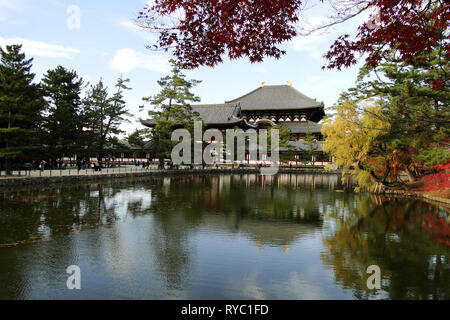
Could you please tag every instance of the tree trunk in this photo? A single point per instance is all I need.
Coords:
(161, 164)
(8, 170)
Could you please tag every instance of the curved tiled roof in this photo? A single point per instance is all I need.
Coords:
(218, 113)
(282, 97)
(212, 114)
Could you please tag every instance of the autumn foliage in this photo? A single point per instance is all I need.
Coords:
(201, 32)
(439, 229)
(207, 29)
(440, 181)
(409, 26)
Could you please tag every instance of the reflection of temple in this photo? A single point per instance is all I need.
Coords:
(279, 105)
(274, 213)
(262, 232)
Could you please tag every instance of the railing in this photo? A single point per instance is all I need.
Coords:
(73, 171)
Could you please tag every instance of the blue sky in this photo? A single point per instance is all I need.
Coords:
(108, 44)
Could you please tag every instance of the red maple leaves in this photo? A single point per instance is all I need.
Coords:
(411, 27)
(439, 181)
(207, 30)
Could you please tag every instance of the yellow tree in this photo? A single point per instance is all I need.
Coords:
(355, 138)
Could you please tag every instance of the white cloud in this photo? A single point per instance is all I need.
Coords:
(126, 60)
(315, 44)
(41, 49)
(8, 4)
(318, 42)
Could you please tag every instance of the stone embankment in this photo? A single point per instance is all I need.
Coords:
(410, 194)
(11, 182)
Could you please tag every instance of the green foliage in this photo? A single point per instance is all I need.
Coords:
(103, 114)
(172, 110)
(64, 121)
(434, 156)
(139, 138)
(286, 138)
(414, 103)
(21, 104)
(311, 145)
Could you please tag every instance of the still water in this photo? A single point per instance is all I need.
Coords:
(220, 237)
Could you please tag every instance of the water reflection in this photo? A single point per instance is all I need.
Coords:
(394, 235)
(232, 236)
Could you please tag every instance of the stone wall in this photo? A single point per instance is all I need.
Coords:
(36, 181)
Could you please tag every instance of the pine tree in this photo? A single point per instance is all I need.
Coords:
(173, 110)
(63, 123)
(415, 98)
(311, 145)
(21, 104)
(104, 115)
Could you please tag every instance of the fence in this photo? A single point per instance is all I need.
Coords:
(73, 171)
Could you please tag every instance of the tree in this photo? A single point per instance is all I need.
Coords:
(139, 138)
(63, 123)
(352, 138)
(104, 115)
(311, 145)
(202, 32)
(21, 104)
(410, 127)
(415, 98)
(173, 110)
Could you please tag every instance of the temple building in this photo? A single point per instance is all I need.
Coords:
(275, 105)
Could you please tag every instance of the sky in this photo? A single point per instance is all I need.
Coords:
(100, 40)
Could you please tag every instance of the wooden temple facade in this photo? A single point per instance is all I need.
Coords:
(280, 105)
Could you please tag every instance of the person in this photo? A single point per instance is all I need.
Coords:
(79, 165)
(42, 165)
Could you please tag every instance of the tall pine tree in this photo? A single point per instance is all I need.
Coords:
(103, 114)
(63, 123)
(21, 104)
(173, 110)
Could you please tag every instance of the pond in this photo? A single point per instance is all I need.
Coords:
(220, 237)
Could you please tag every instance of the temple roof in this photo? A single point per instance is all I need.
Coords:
(212, 114)
(279, 97)
(218, 113)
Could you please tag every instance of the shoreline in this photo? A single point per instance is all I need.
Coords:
(17, 181)
(23, 181)
(412, 194)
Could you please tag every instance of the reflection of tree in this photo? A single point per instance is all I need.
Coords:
(439, 228)
(181, 204)
(32, 214)
(170, 232)
(390, 235)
